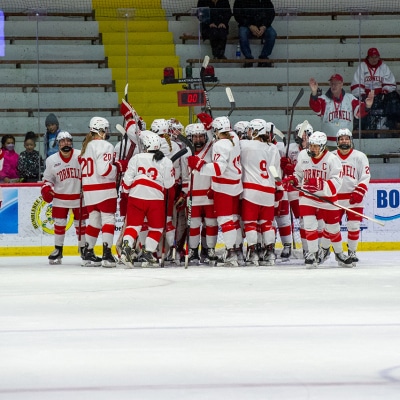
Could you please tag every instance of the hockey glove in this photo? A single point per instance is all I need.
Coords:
(210, 194)
(357, 196)
(289, 181)
(278, 195)
(195, 163)
(288, 170)
(313, 185)
(127, 110)
(121, 165)
(47, 193)
(180, 202)
(206, 120)
(123, 204)
(285, 161)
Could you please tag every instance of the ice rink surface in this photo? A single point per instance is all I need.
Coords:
(281, 332)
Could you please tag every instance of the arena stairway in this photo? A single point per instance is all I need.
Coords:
(141, 64)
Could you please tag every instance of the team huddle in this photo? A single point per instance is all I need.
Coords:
(179, 186)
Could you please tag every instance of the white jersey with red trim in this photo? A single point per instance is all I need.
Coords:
(355, 173)
(169, 151)
(367, 77)
(146, 178)
(258, 183)
(225, 168)
(328, 168)
(64, 176)
(98, 172)
(336, 114)
(201, 183)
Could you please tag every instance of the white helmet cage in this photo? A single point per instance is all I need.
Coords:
(151, 141)
(344, 132)
(175, 127)
(197, 129)
(221, 124)
(241, 128)
(160, 126)
(64, 135)
(99, 125)
(258, 127)
(299, 135)
(317, 138)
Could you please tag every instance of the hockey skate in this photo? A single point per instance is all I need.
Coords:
(128, 256)
(239, 254)
(147, 259)
(311, 260)
(194, 258)
(170, 258)
(252, 256)
(343, 260)
(212, 257)
(108, 260)
(229, 259)
(56, 256)
(204, 255)
(323, 254)
(89, 259)
(352, 254)
(286, 252)
(268, 257)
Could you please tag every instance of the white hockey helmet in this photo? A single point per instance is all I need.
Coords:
(258, 127)
(344, 132)
(317, 138)
(151, 141)
(160, 126)
(99, 125)
(221, 124)
(195, 129)
(241, 128)
(272, 130)
(175, 127)
(64, 135)
(299, 135)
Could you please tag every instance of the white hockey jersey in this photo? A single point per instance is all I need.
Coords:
(225, 168)
(355, 174)
(201, 183)
(337, 113)
(146, 179)
(367, 77)
(64, 176)
(258, 182)
(328, 168)
(170, 151)
(98, 172)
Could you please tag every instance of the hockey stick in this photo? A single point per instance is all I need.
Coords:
(202, 76)
(296, 100)
(231, 100)
(278, 179)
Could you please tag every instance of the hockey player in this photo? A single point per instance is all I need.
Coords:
(356, 177)
(100, 194)
(241, 128)
(318, 172)
(202, 201)
(336, 108)
(148, 175)
(226, 172)
(303, 131)
(260, 191)
(62, 186)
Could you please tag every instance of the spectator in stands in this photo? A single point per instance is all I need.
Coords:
(255, 18)
(50, 137)
(216, 28)
(373, 74)
(337, 108)
(9, 172)
(30, 162)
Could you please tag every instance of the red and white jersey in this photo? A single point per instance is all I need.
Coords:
(64, 176)
(328, 168)
(337, 113)
(258, 183)
(225, 168)
(169, 151)
(146, 178)
(367, 77)
(201, 183)
(98, 172)
(355, 173)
